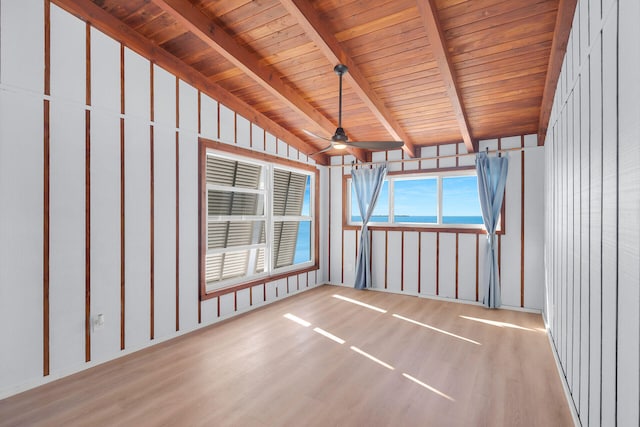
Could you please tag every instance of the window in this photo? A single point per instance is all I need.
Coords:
(433, 199)
(258, 219)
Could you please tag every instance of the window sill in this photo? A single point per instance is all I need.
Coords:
(257, 281)
(432, 228)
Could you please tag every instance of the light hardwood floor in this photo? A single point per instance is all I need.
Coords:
(405, 361)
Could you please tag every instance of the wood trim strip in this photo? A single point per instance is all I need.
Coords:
(342, 256)
(386, 257)
(522, 214)
(178, 202)
(402, 262)
(477, 266)
(122, 201)
(199, 112)
(45, 189)
(87, 200)
(457, 249)
(202, 216)
(419, 261)
(87, 237)
(437, 263)
(329, 227)
(151, 233)
(45, 238)
(316, 222)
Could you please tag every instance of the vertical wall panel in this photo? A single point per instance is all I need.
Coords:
(257, 137)
(510, 244)
(609, 218)
(335, 249)
(227, 305)
(22, 44)
(448, 150)
(243, 300)
(467, 266)
(410, 263)
(188, 108)
(394, 155)
(67, 242)
(447, 266)
(349, 257)
(628, 354)
(164, 222)
(428, 264)
(105, 233)
(21, 219)
(227, 124)
(394, 261)
(68, 73)
(188, 243)
(164, 98)
(136, 85)
(271, 144)
(105, 72)
(533, 223)
(378, 259)
(595, 208)
(243, 131)
(137, 233)
(208, 117)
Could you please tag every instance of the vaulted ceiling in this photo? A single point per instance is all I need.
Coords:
(425, 72)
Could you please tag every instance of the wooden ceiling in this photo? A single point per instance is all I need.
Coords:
(426, 72)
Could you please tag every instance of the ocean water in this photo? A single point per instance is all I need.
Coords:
(423, 219)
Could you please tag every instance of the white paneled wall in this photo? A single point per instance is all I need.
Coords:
(443, 264)
(101, 155)
(592, 235)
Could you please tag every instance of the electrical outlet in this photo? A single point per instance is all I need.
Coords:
(98, 321)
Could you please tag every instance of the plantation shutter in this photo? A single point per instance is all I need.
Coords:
(288, 198)
(232, 202)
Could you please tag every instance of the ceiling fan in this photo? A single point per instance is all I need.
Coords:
(339, 140)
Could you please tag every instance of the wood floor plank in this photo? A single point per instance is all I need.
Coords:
(403, 361)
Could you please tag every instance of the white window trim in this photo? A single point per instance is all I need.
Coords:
(405, 177)
(268, 217)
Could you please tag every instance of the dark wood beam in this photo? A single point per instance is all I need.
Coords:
(120, 31)
(564, 20)
(192, 19)
(429, 14)
(309, 19)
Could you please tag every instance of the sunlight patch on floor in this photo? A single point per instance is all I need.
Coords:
(329, 335)
(424, 325)
(497, 323)
(361, 304)
(370, 357)
(298, 320)
(428, 387)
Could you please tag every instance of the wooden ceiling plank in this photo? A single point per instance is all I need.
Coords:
(428, 11)
(224, 44)
(309, 19)
(564, 20)
(107, 23)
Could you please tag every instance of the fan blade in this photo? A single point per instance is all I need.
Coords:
(308, 132)
(324, 150)
(376, 145)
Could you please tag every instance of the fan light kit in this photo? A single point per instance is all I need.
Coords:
(339, 140)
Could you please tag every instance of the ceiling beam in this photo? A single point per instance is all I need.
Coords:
(429, 14)
(107, 23)
(564, 20)
(314, 27)
(192, 19)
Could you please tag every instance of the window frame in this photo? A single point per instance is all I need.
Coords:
(399, 226)
(271, 162)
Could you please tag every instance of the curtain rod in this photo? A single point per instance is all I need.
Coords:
(449, 156)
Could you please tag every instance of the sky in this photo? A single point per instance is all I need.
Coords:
(418, 197)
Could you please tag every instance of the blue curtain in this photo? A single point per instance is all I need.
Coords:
(492, 177)
(367, 183)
